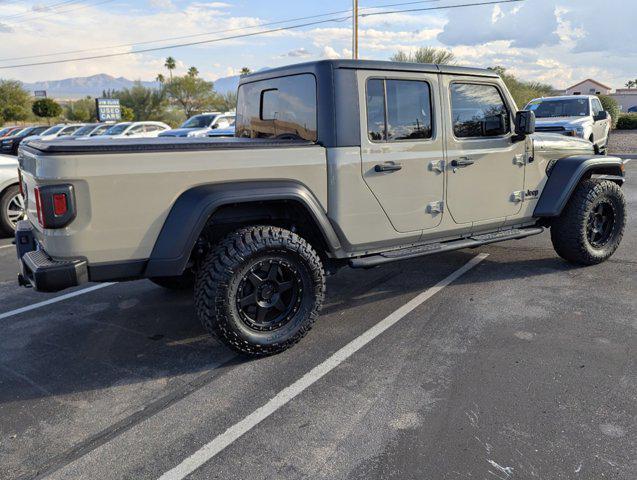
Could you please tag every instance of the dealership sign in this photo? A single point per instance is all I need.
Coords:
(39, 93)
(108, 109)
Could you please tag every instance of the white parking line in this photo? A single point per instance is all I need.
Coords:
(6, 246)
(210, 450)
(61, 298)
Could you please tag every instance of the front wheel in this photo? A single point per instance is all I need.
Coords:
(591, 227)
(260, 290)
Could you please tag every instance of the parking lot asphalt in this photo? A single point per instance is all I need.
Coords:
(523, 367)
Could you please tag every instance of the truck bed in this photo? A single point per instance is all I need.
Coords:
(164, 144)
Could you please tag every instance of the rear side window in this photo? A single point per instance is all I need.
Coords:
(478, 111)
(283, 107)
(398, 110)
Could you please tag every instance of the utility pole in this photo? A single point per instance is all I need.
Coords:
(355, 29)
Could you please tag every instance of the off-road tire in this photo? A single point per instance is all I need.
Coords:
(224, 270)
(182, 282)
(569, 231)
(6, 226)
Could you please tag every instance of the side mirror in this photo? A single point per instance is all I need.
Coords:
(603, 115)
(524, 123)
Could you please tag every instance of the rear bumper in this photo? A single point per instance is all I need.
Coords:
(40, 271)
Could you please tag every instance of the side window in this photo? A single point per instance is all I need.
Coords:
(597, 106)
(398, 110)
(136, 129)
(278, 108)
(376, 110)
(478, 111)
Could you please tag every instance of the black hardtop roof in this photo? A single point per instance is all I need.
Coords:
(320, 65)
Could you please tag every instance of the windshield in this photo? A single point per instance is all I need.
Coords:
(117, 129)
(80, 132)
(572, 107)
(52, 130)
(101, 130)
(199, 121)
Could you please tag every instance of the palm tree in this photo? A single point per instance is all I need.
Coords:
(160, 78)
(438, 56)
(170, 64)
(193, 72)
(245, 71)
(631, 83)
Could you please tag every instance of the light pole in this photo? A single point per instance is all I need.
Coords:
(355, 29)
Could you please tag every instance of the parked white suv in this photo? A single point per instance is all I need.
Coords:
(573, 115)
(135, 130)
(203, 125)
(58, 131)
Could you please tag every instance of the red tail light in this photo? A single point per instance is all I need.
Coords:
(60, 207)
(38, 206)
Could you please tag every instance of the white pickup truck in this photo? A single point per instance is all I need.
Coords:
(580, 116)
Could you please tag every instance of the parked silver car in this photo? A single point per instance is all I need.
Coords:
(573, 115)
(11, 203)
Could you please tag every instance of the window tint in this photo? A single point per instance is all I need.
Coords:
(597, 106)
(478, 111)
(404, 114)
(376, 110)
(278, 108)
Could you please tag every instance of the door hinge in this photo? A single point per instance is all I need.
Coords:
(435, 207)
(520, 159)
(517, 197)
(437, 166)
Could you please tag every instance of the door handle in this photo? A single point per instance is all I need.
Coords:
(461, 162)
(388, 167)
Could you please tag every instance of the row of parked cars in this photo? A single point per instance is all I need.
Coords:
(214, 124)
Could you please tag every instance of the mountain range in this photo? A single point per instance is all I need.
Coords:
(78, 87)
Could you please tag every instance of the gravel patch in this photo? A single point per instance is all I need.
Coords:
(623, 141)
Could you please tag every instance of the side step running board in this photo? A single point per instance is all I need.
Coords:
(429, 249)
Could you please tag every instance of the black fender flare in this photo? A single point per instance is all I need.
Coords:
(564, 176)
(194, 207)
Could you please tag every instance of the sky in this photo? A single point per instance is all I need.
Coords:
(554, 41)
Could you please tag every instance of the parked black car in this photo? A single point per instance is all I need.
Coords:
(9, 145)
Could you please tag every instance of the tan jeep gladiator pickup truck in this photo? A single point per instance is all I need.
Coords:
(334, 163)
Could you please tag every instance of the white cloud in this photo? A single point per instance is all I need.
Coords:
(329, 52)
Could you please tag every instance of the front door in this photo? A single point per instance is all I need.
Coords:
(485, 164)
(402, 149)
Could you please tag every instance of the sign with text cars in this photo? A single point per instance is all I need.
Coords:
(108, 109)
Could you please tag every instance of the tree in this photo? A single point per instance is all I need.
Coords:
(521, 90)
(192, 94)
(225, 102)
(15, 101)
(128, 115)
(170, 64)
(193, 72)
(245, 71)
(438, 56)
(146, 103)
(46, 108)
(81, 110)
(611, 106)
(160, 78)
(631, 83)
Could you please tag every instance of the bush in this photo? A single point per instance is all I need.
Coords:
(627, 121)
(611, 106)
(46, 108)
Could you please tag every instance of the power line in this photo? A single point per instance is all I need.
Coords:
(252, 34)
(196, 35)
(41, 9)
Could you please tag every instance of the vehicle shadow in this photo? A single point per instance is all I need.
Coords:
(148, 334)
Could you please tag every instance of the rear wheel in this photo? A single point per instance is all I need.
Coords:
(260, 290)
(11, 209)
(591, 226)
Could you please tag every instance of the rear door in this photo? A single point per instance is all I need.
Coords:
(485, 173)
(402, 146)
